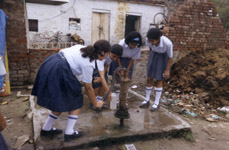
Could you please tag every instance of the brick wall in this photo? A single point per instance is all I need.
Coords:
(16, 41)
(36, 58)
(194, 26)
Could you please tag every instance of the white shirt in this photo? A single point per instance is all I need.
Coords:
(81, 67)
(2, 67)
(101, 63)
(165, 45)
(134, 53)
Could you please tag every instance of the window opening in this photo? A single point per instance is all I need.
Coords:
(33, 25)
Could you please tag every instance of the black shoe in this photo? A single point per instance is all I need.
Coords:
(50, 133)
(144, 105)
(94, 108)
(68, 138)
(98, 109)
(105, 106)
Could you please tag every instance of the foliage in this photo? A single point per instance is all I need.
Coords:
(222, 7)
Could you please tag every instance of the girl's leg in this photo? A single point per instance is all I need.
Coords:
(158, 91)
(50, 121)
(149, 87)
(72, 118)
(48, 130)
(70, 133)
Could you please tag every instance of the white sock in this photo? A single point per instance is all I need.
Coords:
(148, 92)
(99, 98)
(49, 122)
(158, 96)
(71, 124)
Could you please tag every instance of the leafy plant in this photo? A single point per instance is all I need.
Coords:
(222, 7)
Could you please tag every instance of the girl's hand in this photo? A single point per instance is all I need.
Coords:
(99, 104)
(126, 74)
(166, 74)
(109, 97)
(121, 73)
(97, 80)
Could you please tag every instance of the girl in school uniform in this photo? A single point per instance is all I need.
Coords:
(159, 63)
(58, 89)
(100, 77)
(131, 51)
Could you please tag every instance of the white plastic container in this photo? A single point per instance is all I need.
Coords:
(117, 96)
(113, 102)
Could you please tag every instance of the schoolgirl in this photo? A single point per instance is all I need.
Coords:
(131, 51)
(159, 63)
(100, 73)
(58, 89)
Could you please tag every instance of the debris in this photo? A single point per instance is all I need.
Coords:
(176, 101)
(224, 109)
(212, 138)
(19, 94)
(21, 141)
(166, 93)
(134, 86)
(31, 141)
(190, 113)
(130, 147)
(212, 118)
(25, 99)
(4, 103)
(205, 78)
(30, 87)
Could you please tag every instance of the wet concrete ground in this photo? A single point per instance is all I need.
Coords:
(102, 128)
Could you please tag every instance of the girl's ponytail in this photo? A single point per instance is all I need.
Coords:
(93, 51)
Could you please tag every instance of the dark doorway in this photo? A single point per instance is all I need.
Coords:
(132, 23)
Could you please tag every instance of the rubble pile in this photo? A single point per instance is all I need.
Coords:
(205, 73)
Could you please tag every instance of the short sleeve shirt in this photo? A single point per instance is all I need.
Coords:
(134, 53)
(79, 65)
(165, 45)
(101, 63)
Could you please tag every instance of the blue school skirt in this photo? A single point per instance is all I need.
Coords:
(3, 145)
(156, 65)
(125, 62)
(56, 87)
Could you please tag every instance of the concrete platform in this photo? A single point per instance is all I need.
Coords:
(103, 128)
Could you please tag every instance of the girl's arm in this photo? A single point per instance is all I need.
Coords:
(103, 81)
(128, 67)
(167, 69)
(106, 68)
(91, 95)
(119, 62)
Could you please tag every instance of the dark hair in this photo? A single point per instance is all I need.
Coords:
(131, 38)
(154, 34)
(92, 51)
(117, 50)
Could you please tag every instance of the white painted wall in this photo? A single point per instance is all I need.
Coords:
(54, 18)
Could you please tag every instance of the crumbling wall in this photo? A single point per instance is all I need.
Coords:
(195, 26)
(16, 41)
(36, 58)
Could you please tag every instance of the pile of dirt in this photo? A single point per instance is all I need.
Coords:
(205, 73)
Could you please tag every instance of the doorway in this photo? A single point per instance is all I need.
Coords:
(132, 24)
(100, 26)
